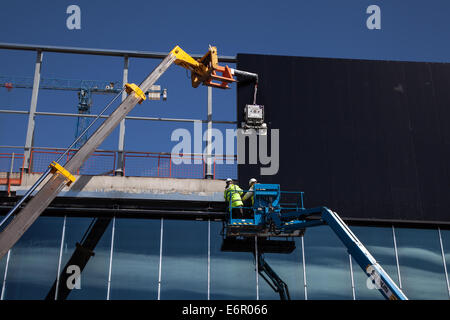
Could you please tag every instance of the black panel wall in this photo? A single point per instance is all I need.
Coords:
(369, 139)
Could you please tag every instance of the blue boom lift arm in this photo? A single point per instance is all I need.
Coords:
(272, 219)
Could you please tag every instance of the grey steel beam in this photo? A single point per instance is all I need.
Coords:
(15, 111)
(99, 150)
(60, 114)
(119, 169)
(33, 104)
(102, 52)
(26, 217)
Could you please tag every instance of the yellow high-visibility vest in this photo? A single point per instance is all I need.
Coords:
(235, 192)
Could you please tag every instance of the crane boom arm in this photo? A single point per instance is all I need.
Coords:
(56, 182)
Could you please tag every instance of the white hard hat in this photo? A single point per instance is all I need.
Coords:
(252, 180)
(228, 180)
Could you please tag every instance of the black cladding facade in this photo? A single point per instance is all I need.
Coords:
(368, 139)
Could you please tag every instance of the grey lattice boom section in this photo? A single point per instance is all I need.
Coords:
(26, 217)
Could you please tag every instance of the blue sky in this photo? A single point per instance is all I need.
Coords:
(410, 30)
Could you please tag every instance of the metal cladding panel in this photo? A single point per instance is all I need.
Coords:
(369, 139)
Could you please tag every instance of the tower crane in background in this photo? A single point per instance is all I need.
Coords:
(85, 89)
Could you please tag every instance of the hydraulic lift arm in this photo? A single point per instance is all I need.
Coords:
(57, 177)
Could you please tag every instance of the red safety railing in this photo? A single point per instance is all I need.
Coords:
(166, 165)
(225, 167)
(11, 169)
(100, 163)
(137, 164)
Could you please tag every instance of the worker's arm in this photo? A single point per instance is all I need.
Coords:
(248, 194)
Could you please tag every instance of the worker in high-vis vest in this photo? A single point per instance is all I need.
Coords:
(248, 198)
(232, 195)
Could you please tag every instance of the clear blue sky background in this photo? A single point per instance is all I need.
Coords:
(410, 30)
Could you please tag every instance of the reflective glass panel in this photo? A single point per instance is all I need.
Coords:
(290, 269)
(232, 273)
(445, 235)
(327, 265)
(2, 266)
(380, 243)
(185, 260)
(421, 266)
(94, 277)
(34, 260)
(135, 263)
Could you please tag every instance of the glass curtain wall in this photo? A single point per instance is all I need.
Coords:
(184, 272)
(190, 264)
(289, 267)
(445, 238)
(327, 265)
(135, 261)
(421, 265)
(94, 277)
(232, 273)
(380, 243)
(33, 261)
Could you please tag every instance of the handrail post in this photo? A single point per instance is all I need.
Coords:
(159, 157)
(170, 165)
(10, 174)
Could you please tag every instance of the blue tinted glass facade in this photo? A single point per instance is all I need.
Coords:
(33, 261)
(289, 268)
(421, 265)
(327, 265)
(380, 243)
(445, 240)
(3, 263)
(184, 263)
(135, 261)
(94, 277)
(232, 273)
(175, 259)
